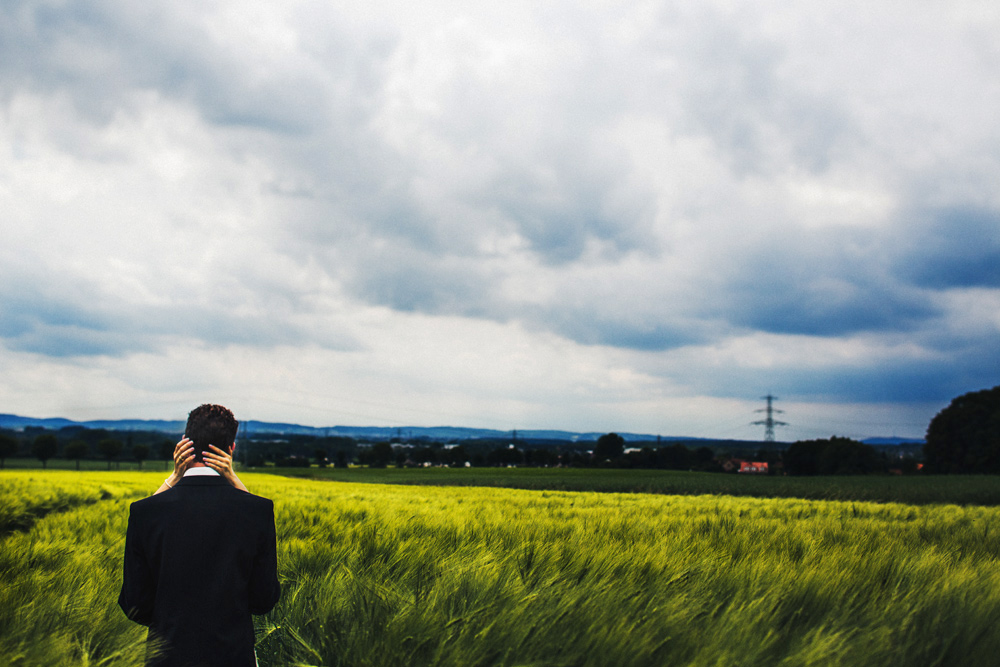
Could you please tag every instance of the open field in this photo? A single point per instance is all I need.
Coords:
(914, 490)
(418, 575)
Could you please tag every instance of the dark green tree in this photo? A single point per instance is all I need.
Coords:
(674, 457)
(644, 458)
(140, 453)
(320, 456)
(833, 456)
(381, 455)
(76, 450)
(843, 456)
(44, 448)
(539, 457)
(8, 448)
(167, 449)
(424, 455)
(109, 448)
(703, 458)
(505, 456)
(609, 446)
(343, 460)
(802, 457)
(965, 436)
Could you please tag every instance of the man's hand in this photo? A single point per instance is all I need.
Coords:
(222, 463)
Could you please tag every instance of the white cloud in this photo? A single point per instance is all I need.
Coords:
(636, 200)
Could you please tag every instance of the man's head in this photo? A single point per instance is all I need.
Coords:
(211, 425)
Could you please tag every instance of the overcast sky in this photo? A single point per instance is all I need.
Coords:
(636, 216)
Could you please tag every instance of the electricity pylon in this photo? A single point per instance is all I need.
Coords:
(769, 422)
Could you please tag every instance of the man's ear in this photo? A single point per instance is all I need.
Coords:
(232, 448)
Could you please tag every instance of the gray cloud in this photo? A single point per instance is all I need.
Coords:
(557, 214)
(827, 283)
(86, 321)
(734, 92)
(951, 248)
(102, 53)
(651, 183)
(598, 328)
(409, 280)
(58, 328)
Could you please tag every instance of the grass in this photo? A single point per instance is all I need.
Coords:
(29, 495)
(915, 490)
(60, 561)
(430, 575)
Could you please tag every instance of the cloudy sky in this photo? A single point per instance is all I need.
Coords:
(636, 216)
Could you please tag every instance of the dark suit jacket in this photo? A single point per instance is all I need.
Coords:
(200, 558)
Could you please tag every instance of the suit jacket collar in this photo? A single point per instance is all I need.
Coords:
(202, 480)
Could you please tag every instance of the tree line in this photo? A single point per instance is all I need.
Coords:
(77, 443)
(962, 438)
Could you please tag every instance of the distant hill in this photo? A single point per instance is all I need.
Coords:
(17, 422)
(892, 441)
(436, 433)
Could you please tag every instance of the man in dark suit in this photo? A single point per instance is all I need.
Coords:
(200, 554)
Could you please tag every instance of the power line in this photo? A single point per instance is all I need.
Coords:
(769, 422)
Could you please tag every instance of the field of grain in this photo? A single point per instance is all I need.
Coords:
(910, 489)
(421, 575)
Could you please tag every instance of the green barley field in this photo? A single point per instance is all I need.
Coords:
(910, 489)
(378, 574)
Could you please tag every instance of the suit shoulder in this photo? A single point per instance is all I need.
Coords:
(261, 501)
(252, 500)
(144, 503)
(145, 507)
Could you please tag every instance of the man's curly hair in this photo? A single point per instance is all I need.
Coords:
(211, 425)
